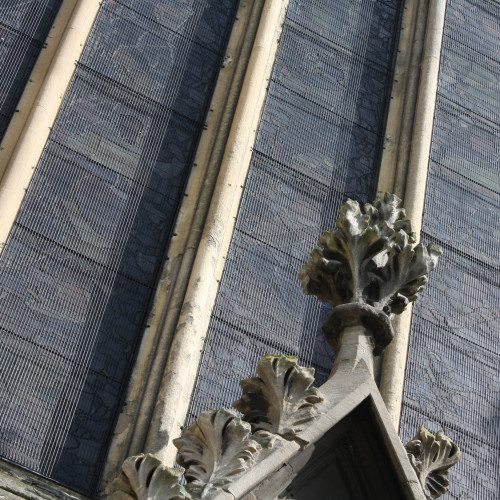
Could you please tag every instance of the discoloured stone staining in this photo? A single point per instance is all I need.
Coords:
(369, 268)
(145, 477)
(280, 400)
(214, 450)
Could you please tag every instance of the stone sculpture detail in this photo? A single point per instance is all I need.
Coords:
(280, 400)
(370, 258)
(145, 477)
(214, 450)
(432, 456)
(371, 261)
(220, 446)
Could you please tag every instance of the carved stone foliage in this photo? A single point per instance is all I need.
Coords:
(280, 400)
(432, 456)
(214, 450)
(370, 258)
(220, 446)
(144, 477)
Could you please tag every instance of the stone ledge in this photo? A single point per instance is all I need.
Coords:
(19, 484)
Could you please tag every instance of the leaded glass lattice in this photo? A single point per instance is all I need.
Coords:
(24, 25)
(81, 263)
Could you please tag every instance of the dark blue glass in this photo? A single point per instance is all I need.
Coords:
(24, 26)
(81, 264)
(452, 381)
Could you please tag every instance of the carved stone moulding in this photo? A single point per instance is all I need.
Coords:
(369, 268)
(280, 400)
(432, 456)
(355, 314)
(220, 446)
(214, 450)
(145, 477)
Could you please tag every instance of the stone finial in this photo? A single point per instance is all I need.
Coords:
(432, 456)
(220, 446)
(280, 400)
(369, 267)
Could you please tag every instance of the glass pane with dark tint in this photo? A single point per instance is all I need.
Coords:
(451, 383)
(271, 287)
(467, 144)
(342, 83)
(30, 17)
(366, 28)
(452, 380)
(79, 269)
(470, 79)
(282, 209)
(475, 25)
(318, 143)
(475, 229)
(18, 54)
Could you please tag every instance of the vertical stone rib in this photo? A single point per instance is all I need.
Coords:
(414, 175)
(29, 129)
(185, 352)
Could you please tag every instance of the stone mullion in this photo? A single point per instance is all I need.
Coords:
(29, 129)
(173, 383)
(405, 159)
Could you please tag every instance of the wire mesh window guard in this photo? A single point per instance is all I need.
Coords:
(80, 265)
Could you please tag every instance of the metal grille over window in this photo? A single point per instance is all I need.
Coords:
(24, 25)
(78, 270)
(452, 377)
(318, 142)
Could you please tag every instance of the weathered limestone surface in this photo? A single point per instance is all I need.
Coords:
(280, 400)
(370, 260)
(19, 484)
(405, 156)
(220, 446)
